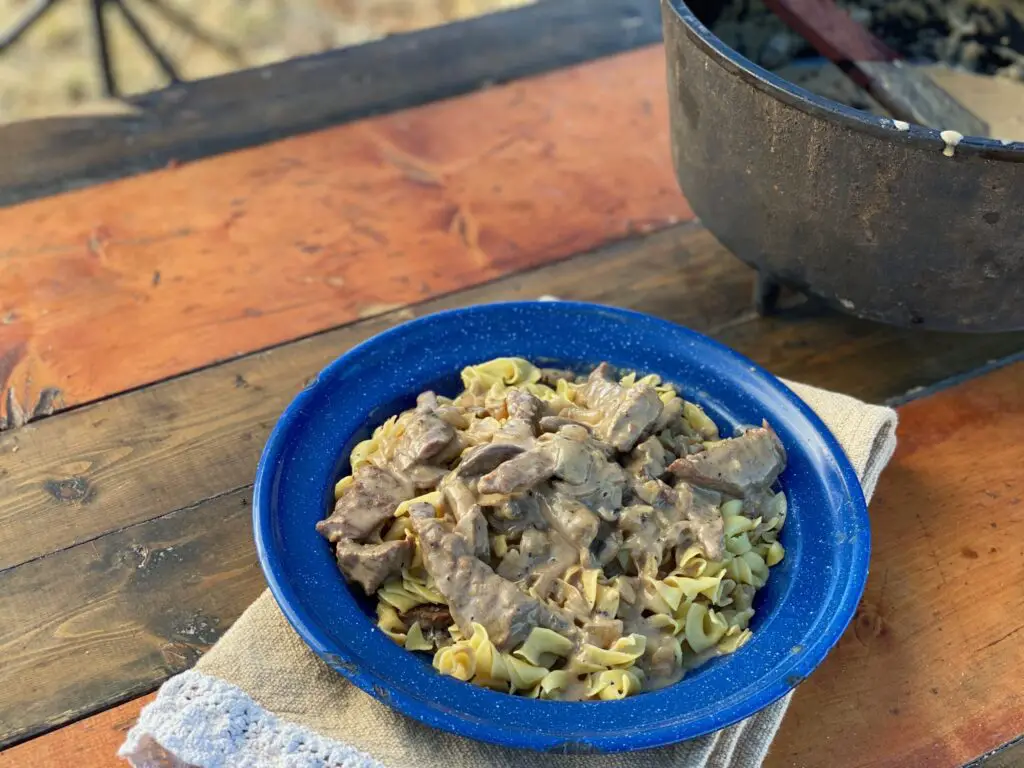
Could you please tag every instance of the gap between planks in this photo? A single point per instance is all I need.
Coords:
(196, 264)
(190, 120)
(97, 469)
(916, 668)
(123, 476)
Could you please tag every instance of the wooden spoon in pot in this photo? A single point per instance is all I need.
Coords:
(906, 91)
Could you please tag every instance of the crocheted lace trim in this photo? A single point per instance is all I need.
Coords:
(204, 722)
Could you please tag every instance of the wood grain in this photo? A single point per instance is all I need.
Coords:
(908, 93)
(110, 619)
(929, 672)
(925, 676)
(214, 115)
(120, 285)
(89, 743)
(832, 31)
(96, 469)
(124, 534)
(192, 443)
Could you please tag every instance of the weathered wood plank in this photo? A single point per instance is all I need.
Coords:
(93, 470)
(928, 669)
(108, 620)
(116, 286)
(1007, 756)
(94, 741)
(929, 672)
(205, 117)
(89, 743)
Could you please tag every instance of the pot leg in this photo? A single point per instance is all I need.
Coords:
(766, 294)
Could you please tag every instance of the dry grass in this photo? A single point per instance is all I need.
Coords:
(53, 69)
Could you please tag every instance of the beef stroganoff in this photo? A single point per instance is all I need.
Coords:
(561, 537)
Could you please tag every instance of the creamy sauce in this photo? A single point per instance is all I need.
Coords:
(526, 522)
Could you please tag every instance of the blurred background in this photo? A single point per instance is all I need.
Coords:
(52, 69)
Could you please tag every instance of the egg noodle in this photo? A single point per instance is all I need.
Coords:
(640, 617)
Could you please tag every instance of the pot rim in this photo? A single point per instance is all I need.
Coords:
(820, 106)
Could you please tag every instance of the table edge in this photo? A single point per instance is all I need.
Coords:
(206, 117)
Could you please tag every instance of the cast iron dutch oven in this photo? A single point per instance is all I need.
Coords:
(887, 224)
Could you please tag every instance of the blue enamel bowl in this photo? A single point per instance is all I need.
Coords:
(809, 600)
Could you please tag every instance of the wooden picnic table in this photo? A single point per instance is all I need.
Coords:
(170, 278)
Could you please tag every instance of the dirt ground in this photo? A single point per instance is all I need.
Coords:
(53, 69)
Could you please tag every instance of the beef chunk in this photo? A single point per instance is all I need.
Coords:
(572, 520)
(422, 509)
(431, 617)
(738, 466)
(584, 472)
(550, 376)
(371, 564)
(471, 523)
(516, 514)
(473, 528)
(520, 404)
(636, 412)
(659, 659)
(425, 477)
(426, 402)
(601, 388)
(485, 458)
(519, 473)
(621, 416)
(701, 509)
(648, 459)
(555, 423)
(684, 510)
(368, 502)
(424, 438)
(515, 431)
(606, 545)
(475, 593)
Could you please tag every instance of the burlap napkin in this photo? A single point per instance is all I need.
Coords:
(260, 697)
